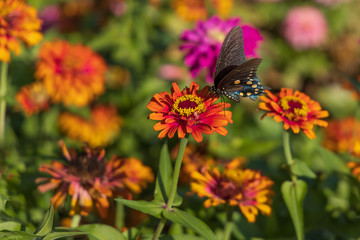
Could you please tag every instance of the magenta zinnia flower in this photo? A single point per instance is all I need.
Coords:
(305, 27)
(203, 44)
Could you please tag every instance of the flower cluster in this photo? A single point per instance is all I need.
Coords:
(202, 45)
(18, 23)
(71, 74)
(247, 189)
(295, 109)
(102, 127)
(188, 112)
(91, 181)
(305, 27)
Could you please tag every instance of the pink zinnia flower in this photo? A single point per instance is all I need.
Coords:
(305, 27)
(172, 72)
(203, 44)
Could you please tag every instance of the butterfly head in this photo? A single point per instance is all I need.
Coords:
(215, 90)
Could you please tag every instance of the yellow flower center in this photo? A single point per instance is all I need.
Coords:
(188, 105)
(294, 108)
(216, 35)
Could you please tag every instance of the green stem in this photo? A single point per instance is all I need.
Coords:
(176, 173)
(175, 180)
(229, 224)
(159, 228)
(287, 152)
(75, 221)
(3, 79)
(119, 215)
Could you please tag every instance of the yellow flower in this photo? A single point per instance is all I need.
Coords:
(102, 127)
(18, 23)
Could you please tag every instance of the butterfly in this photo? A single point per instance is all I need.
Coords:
(234, 76)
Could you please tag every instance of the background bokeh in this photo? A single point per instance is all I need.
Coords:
(308, 45)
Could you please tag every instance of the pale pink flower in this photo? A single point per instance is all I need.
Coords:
(305, 27)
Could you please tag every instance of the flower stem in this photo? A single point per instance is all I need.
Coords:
(229, 224)
(176, 172)
(298, 209)
(287, 152)
(159, 228)
(175, 180)
(75, 221)
(3, 79)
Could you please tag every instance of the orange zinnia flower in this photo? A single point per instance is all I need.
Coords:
(102, 127)
(33, 98)
(355, 169)
(295, 109)
(188, 111)
(91, 181)
(193, 10)
(247, 189)
(18, 22)
(72, 74)
(342, 135)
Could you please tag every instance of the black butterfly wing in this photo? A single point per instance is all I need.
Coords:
(240, 76)
(231, 54)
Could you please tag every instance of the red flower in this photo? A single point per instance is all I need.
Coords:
(295, 109)
(188, 111)
(90, 181)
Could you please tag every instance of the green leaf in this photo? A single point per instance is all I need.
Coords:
(300, 168)
(47, 222)
(181, 237)
(190, 221)
(10, 226)
(294, 194)
(164, 178)
(17, 235)
(101, 232)
(3, 201)
(332, 161)
(57, 235)
(152, 208)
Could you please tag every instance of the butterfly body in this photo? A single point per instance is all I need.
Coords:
(234, 76)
